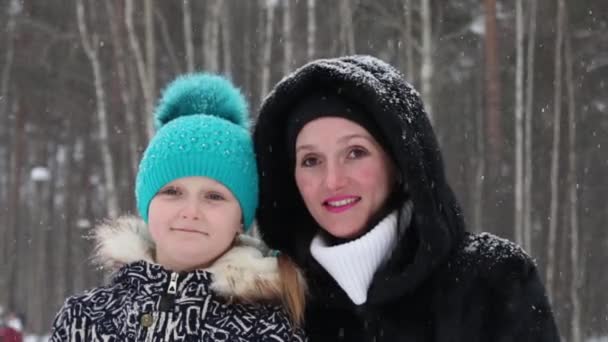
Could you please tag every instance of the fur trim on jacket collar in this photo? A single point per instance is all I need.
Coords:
(242, 273)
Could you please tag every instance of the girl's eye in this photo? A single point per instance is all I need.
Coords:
(309, 161)
(214, 196)
(357, 152)
(170, 191)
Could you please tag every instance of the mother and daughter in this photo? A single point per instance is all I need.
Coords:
(352, 193)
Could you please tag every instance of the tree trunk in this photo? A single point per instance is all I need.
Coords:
(169, 47)
(211, 36)
(188, 42)
(576, 263)
(19, 148)
(347, 32)
(480, 167)
(287, 38)
(492, 80)
(519, 122)
(5, 171)
(408, 38)
(141, 68)
(267, 48)
(555, 154)
(226, 39)
(90, 44)
(150, 49)
(114, 14)
(528, 174)
(426, 73)
(311, 29)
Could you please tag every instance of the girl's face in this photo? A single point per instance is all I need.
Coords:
(193, 221)
(343, 175)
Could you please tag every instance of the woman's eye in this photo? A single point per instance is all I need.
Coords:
(357, 153)
(215, 196)
(169, 191)
(309, 162)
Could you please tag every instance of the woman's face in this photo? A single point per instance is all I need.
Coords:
(343, 175)
(193, 221)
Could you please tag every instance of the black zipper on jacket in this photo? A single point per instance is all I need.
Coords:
(167, 300)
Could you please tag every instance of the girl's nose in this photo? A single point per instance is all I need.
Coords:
(190, 210)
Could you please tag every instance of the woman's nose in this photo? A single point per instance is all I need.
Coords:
(335, 178)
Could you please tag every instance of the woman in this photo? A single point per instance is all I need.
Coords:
(352, 188)
(184, 272)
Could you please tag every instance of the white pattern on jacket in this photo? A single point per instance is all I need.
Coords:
(236, 299)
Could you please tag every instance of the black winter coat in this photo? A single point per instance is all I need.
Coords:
(440, 283)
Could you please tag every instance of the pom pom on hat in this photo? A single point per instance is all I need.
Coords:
(201, 123)
(201, 94)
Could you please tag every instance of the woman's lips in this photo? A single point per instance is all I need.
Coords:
(340, 203)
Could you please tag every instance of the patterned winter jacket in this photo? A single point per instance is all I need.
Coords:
(233, 300)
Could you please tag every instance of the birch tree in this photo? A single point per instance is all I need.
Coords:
(188, 42)
(555, 153)
(408, 37)
(226, 39)
(426, 73)
(492, 82)
(287, 37)
(90, 42)
(519, 122)
(576, 264)
(311, 29)
(528, 114)
(125, 91)
(141, 68)
(150, 50)
(14, 9)
(211, 40)
(347, 31)
(269, 6)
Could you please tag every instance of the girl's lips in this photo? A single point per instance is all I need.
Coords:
(189, 230)
(341, 203)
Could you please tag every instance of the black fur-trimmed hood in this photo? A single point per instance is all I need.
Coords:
(436, 226)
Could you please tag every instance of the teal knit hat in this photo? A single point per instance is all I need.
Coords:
(202, 130)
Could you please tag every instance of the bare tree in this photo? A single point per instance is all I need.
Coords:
(150, 49)
(408, 38)
(125, 93)
(5, 77)
(519, 121)
(141, 67)
(347, 31)
(188, 42)
(211, 39)
(287, 37)
(555, 152)
(168, 42)
(226, 39)
(311, 29)
(19, 149)
(529, 99)
(90, 42)
(267, 48)
(426, 73)
(577, 266)
(492, 81)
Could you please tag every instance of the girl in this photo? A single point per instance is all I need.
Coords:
(352, 187)
(186, 272)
